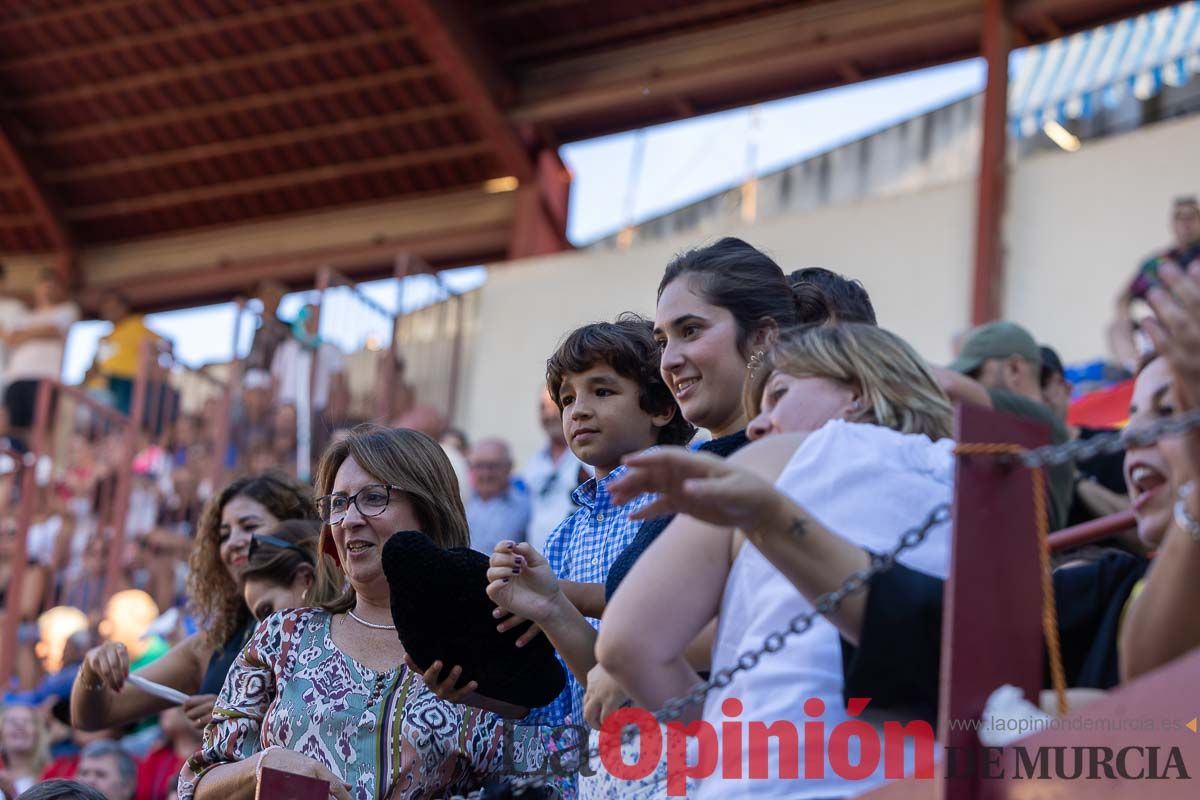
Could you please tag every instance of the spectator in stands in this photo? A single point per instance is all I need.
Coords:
(119, 354)
(35, 346)
(455, 439)
(252, 421)
(718, 308)
(283, 439)
(496, 509)
(62, 790)
(127, 616)
(197, 665)
(158, 772)
(292, 361)
(282, 572)
(57, 684)
(854, 430)
(1185, 229)
(272, 331)
(1161, 623)
(824, 297)
(86, 590)
(187, 432)
(12, 310)
(1185, 249)
(309, 721)
(108, 768)
(24, 747)
(613, 402)
(1004, 365)
(1099, 480)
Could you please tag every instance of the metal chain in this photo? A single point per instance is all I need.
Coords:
(830, 602)
(1083, 449)
(825, 605)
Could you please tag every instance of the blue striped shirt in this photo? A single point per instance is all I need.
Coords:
(581, 549)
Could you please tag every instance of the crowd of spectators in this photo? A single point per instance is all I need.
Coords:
(750, 382)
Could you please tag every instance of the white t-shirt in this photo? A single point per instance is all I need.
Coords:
(41, 358)
(869, 485)
(285, 366)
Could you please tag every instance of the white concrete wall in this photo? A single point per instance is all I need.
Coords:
(1077, 225)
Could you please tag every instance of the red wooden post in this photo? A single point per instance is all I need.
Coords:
(989, 249)
(12, 608)
(991, 632)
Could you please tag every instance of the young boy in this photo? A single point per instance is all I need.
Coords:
(606, 381)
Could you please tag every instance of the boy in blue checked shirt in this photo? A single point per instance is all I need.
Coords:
(606, 381)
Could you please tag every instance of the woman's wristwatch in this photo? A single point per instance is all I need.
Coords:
(1183, 517)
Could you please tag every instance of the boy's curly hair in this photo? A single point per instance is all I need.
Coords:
(627, 345)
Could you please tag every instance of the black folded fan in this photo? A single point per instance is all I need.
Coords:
(442, 612)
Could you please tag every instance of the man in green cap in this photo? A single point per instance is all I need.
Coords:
(1006, 361)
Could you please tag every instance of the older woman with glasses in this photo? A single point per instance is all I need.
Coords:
(324, 692)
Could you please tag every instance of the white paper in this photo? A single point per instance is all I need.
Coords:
(158, 690)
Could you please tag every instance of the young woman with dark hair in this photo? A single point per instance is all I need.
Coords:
(718, 306)
(196, 666)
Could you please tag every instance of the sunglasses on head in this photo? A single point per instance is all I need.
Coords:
(257, 540)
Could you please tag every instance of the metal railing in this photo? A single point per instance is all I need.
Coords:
(1092, 531)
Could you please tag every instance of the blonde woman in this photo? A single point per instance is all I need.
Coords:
(851, 429)
(24, 749)
(324, 692)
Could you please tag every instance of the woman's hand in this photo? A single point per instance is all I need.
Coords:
(700, 485)
(604, 696)
(1175, 332)
(447, 689)
(285, 760)
(107, 664)
(521, 582)
(510, 621)
(198, 709)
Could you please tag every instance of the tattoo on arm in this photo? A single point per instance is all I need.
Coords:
(798, 528)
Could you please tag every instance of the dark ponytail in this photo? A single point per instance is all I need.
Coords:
(824, 296)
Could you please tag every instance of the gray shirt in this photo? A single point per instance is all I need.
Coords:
(505, 516)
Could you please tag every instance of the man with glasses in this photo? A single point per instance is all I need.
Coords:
(496, 509)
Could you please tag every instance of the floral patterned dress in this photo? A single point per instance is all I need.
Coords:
(384, 733)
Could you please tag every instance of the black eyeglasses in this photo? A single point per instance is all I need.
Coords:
(259, 539)
(371, 501)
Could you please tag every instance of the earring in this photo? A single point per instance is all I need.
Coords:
(755, 360)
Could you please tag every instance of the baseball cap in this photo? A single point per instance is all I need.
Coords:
(999, 339)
